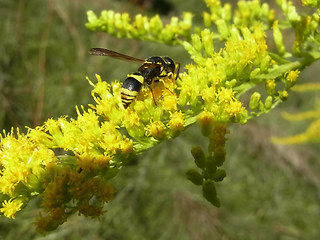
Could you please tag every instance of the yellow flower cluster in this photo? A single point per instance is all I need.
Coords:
(29, 166)
(69, 161)
(71, 191)
(143, 28)
(84, 136)
(11, 207)
(153, 115)
(22, 167)
(248, 13)
(217, 75)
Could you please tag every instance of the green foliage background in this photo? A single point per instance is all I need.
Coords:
(271, 192)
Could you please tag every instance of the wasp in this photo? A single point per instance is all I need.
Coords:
(151, 70)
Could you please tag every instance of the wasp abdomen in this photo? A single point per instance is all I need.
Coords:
(130, 88)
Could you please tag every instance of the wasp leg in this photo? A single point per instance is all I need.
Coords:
(173, 93)
(154, 100)
(164, 84)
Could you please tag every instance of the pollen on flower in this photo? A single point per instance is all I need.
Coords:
(145, 93)
(110, 143)
(176, 122)
(291, 78)
(39, 136)
(205, 118)
(155, 129)
(190, 87)
(116, 88)
(131, 120)
(234, 108)
(208, 94)
(133, 124)
(11, 207)
(127, 146)
(271, 87)
(91, 163)
(225, 95)
(54, 128)
(22, 162)
(8, 184)
(156, 90)
(283, 95)
(101, 87)
(170, 103)
(108, 101)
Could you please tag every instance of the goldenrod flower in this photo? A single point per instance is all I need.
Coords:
(176, 122)
(11, 207)
(271, 87)
(22, 162)
(156, 129)
(291, 78)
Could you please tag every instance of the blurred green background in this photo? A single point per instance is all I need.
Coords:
(271, 192)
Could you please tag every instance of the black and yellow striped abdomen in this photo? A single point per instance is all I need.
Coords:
(130, 88)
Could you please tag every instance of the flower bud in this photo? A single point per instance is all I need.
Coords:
(310, 3)
(207, 19)
(293, 16)
(291, 78)
(199, 157)
(92, 17)
(283, 95)
(271, 87)
(278, 39)
(207, 41)
(210, 193)
(186, 23)
(223, 28)
(227, 12)
(268, 103)
(176, 123)
(255, 100)
(194, 176)
(206, 122)
(219, 175)
(156, 25)
(196, 42)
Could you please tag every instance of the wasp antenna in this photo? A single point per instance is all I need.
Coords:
(164, 84)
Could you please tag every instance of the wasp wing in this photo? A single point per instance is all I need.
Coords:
(113, 54)
(147, 65)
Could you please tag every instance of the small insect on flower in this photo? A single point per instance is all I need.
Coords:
(151, 70)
